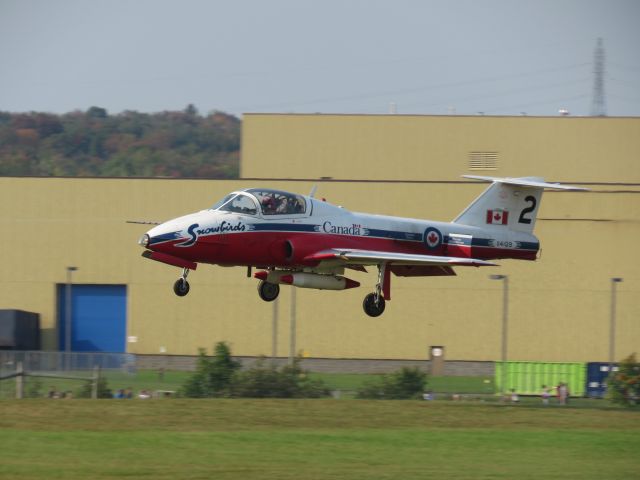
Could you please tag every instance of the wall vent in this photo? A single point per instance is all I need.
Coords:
(483, 160)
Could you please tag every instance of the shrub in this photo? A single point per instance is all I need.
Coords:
(213, 376)
(266, 381)
(87, 388)
(34, 387)
(623, 386)
(406, 383)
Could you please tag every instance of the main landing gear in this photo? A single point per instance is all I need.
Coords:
(374, 303)
(181, 287)
(268, 291)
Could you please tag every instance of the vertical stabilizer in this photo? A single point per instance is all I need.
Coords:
(510, 202)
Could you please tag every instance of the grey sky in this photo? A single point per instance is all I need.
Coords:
(332, 56)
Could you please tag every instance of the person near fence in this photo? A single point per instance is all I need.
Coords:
(144, 394)
(563, 393)
(546, 393)
(514, 396)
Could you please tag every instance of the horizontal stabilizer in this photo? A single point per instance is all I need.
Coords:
(527, 182)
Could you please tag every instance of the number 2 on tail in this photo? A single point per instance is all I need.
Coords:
(523, 218)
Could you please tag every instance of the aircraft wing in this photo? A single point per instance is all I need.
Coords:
(347, 256)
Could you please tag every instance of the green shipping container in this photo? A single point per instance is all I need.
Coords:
(527, 378)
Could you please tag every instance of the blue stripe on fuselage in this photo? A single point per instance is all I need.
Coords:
(165, 237)
(517, 245)
(408, 236)
(284, 227)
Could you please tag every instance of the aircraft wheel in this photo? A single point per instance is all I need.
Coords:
(181, 287)
(268, 291)
(371, 308)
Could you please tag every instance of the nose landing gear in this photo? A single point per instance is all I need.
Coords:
(181, 287)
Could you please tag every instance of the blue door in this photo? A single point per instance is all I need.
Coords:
(98, 318)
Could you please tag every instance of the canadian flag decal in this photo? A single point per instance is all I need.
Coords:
(497, 217)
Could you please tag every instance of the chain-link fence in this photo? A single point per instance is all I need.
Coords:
(61, 374)
(51, 362)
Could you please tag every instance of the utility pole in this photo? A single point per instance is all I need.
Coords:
(612, 324)
(505, 326)
(599, 104)
(68, 317)
(292, 327)
(274, 333)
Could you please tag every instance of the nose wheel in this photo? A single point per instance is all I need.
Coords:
(181, 287)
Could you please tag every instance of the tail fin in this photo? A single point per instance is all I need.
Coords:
(513, 202)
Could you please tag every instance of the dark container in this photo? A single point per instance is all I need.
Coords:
(19, 330)
(597, 373)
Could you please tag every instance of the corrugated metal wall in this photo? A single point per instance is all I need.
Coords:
(559, 305)
(408, 147)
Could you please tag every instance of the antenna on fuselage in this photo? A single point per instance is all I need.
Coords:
(143, 222)
(312, 193)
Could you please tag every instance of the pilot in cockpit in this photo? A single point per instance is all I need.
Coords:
(283, 206)
(268, 205)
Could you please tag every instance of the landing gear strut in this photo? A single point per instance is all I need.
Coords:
(181, 287)
(268, 291)
(374, 303)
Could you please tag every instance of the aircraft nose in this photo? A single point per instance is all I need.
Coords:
(144, 240)
(162, 234)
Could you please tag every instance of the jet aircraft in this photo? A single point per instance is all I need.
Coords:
(306, 242)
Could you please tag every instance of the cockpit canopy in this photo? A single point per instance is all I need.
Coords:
(263, 200)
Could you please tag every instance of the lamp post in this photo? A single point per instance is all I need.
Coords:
(292, 327)
(612, 323)
(67, 320)
(505, 325)
(274, 333)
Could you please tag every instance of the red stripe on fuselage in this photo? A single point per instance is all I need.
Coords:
(285, 249)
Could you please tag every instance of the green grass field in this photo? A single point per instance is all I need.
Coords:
(313, 439)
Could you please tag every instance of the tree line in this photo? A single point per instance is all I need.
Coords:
(129, 144)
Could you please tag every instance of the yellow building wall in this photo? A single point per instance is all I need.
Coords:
(559, 305)
(407, 147)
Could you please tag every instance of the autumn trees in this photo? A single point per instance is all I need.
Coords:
(129, 144)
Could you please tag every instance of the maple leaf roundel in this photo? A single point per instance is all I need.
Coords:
(432, 238)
